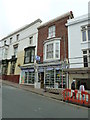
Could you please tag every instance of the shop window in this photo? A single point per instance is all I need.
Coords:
(59, 77)
(51, 31)
(25, 81)
(29, 55)
(49, 78)
(31, 77)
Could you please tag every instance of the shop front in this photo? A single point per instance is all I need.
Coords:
(27, 76)
(81, 75)
(52, 76)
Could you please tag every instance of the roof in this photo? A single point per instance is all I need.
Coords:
(68, 14)
(79, 19)
(22, 28)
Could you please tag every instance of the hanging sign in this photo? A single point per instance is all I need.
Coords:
(37, 58)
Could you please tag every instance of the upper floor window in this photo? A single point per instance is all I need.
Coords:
(86, 58)
(57, 50)
(17, 36)
(83, 35)
(89, 35)
(15, 50)
(10, 40)
(4, 42)
(51, 31)
(51, 50)
(31, 40)
(29, 55)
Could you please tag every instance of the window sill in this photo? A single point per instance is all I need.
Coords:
(84, 42)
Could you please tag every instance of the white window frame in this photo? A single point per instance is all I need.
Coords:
(51, 31)
(86, 28)
(54, 42)
(85, 55)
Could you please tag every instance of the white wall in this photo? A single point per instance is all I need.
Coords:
(23, 41)
(75, 41)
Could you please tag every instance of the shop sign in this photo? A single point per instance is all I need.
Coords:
(37, 58)
(49, 68)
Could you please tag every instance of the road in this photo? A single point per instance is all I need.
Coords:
(18, 103)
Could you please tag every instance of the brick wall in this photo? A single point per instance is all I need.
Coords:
(61, 31)
(12, 78)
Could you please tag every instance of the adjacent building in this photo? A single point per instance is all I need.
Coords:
(18, 51)
(79, 51)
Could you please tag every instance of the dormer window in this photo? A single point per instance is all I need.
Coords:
(51, 31)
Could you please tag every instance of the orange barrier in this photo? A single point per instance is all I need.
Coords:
(76, 96)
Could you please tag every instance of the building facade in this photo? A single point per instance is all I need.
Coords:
(19, 50)
(79, 51)
(53, 51)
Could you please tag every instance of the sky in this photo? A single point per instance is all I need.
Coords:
(17, 13)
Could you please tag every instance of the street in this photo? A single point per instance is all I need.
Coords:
(18, 103)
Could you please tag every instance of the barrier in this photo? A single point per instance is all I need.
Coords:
(77, 97)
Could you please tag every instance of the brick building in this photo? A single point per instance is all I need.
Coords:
(53, 51)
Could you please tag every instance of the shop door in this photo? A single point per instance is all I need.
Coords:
(49, 78)
(41, 79)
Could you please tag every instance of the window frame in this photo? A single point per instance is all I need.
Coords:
(84, 40)
(48, 51)
(17, 37)
(29, 50)
(54, 42)
(51, 31)
(85, 58)
(11, 40)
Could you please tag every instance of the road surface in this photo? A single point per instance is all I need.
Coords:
(18, 103)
